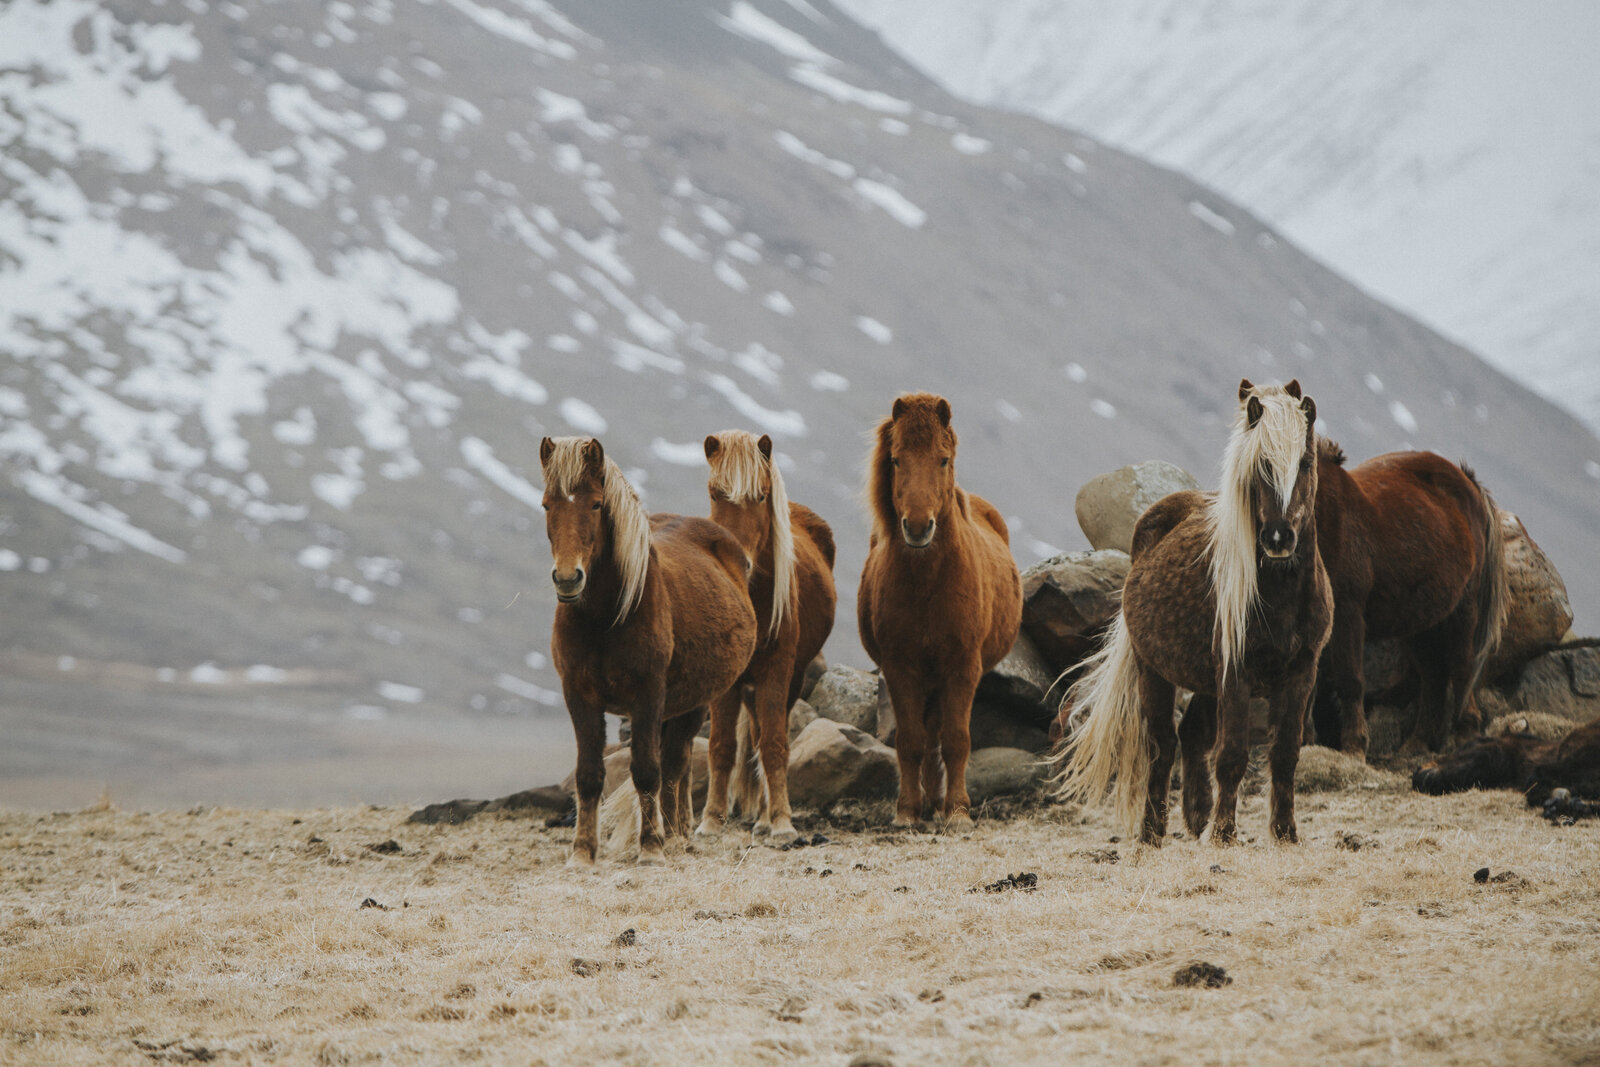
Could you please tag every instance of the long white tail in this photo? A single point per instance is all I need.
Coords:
(619, 824)
(1111, 741)
(747, 789)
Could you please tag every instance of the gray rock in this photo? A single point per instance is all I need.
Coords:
(1067, 600)
(619, 766)
(995, 772)
(800, 716)
(993, 726)
(1020, 682)
(847, 695)
(832, 760)
(1538, 612)
(1563, 682)
(1109, 505)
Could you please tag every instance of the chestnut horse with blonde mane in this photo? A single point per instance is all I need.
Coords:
(1412, 544)
(654, 623)
(1227, 596)
(791, 586)
(940, 602)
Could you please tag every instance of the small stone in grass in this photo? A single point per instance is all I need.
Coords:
(390, 847)
(586, 968)
(761, 910)
(1201, 975)
(627, 938)
(371, 903)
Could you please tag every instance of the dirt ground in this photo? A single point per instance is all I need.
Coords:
(349, 936)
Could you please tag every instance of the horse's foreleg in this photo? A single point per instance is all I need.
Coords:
(589, 728)
(1196, 734)
(724, 747)
(1230, 755)
(905, 691)
(1156, 700)
(770, 738)
(955, 741)
(645, 767)
(933, 770)
(1286, 727)
(1341, 696)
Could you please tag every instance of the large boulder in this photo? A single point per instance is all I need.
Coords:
(619, 771)
(801, 715)
(847, 695)
(1067, 600)
(1021, 683)
(1563, 682)
(1109, 505)
(832, 760)
(994, 726)
(1538, 613)
(996, 772)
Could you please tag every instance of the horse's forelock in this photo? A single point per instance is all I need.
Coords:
(921, 421)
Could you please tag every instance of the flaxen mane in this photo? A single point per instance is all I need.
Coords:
(630, 526)
(1272, 449)
(743, 474)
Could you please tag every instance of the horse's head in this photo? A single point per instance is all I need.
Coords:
(574, 510)
(920, 449)
(740, 485)
(1279, 427)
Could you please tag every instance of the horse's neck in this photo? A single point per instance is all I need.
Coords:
(602, 594)
(1285, 584)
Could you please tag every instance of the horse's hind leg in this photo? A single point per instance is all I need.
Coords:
(1434, 652)
(905, 692)
(724, 745)
(677, 758)
(1196, 734)
(1156, 699)
(1286, 727)
(1231, 752)
(1340, 713)
(645, 768)
(770, 721)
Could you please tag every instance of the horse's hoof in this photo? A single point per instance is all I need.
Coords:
(1287, 837)
(653, 858)
(761, 829)
(707, 828)
(905, 822)
(1413, 748)
(581, 861)
(1358, 751)
(959, 823)
(781, 836)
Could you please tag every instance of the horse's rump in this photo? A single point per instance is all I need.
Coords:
(802, 518)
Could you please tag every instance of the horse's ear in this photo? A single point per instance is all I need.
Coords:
(1252, 411)
(765, 444)
(713, 446)
(547, 448)
(1245, 389)
(899, 407)
(943, 410)
(594, 456)
(1309, 406)
(1293, 388)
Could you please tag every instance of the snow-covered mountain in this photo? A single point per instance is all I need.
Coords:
(290, 292)
(1443, 154)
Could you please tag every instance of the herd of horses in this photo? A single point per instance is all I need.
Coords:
(1266, 588)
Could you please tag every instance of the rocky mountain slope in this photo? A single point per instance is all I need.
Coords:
(290, 292)
(1410, 146)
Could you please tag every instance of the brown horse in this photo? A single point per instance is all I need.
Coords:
(1519, 760)
(1413, 548)
(791, 585)
(1227, 596)
(654, 622)
(939, 604)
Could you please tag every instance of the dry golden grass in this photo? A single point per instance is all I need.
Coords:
(239, 936)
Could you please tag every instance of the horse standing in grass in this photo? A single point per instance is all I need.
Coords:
(654, 622)
(1412, 544)
(791, 586)
(940, 602)
(1227, 596)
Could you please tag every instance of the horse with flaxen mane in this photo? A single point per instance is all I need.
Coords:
(939, 604)
(1227, 596)
(1412, 544)
(654, 623)
(791, 586)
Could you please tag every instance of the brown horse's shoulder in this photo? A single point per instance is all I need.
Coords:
(1162, 517)
(986, 513)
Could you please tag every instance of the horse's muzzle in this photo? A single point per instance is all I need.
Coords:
(568, 587)
(918, 538)
(1278, 540)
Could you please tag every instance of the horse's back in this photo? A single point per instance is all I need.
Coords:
(1162, 517)
(704, 570)
(1167, 602)
(989, 515)
(999, 570)
(803, 519)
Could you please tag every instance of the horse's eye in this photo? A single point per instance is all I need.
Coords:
(894, 462)
(944, 461)
(761, 499)
(1305, 464)
(596, 506)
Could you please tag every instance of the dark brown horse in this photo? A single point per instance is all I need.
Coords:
(939, 604)
(1227, 596)
(1413, 548)
(654, 622)
(1518, 760)
(791, 586)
